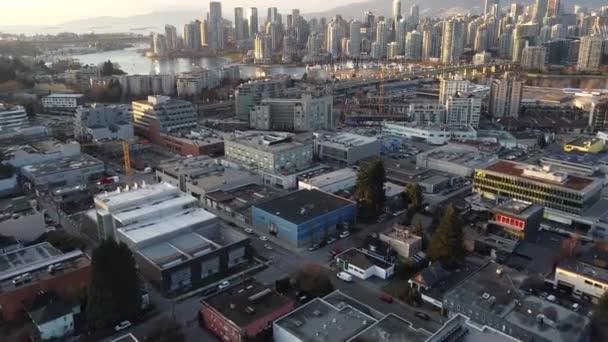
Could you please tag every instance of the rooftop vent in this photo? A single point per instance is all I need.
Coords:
(317, 313)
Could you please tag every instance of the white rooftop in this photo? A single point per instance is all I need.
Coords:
(330, 178)
(66, 95)
(116, 200)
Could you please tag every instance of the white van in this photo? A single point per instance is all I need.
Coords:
(345, 276)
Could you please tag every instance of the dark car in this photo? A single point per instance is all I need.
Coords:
(386, 298)
(422, 315)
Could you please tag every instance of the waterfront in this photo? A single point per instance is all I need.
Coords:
(133, 62)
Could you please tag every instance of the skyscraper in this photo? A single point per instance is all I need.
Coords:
(159, 44)
(216, 26)
(332, 40)
(239, 29)
(413, 45)
(451, 41)
(295, 13)
(381, 39)
(487, 6)
(192, 35)
(553, 8)
(355, 39)
(451, 87)
(253, 21)
(400, 27)
(171, 36)
(262, 48)
(505, 96)
(590, 53)
(396, 11)
(539, 11)
(414, 15)
(533, 57)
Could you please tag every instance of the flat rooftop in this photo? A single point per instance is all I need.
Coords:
(364, 261)
(392, 328)
(319, 321)
(35, 260)
(304, 205)
(589, 271)
(517, 170)
(243, 196)
(266, 142)
(65, 95)
(330, 178)
(520, 208)
(346, 140)
(82, 161)
(462, 329)
(119, 200)
(247, 302)
(460, 156)
(577, 158)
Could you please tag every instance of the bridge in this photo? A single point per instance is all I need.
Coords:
(446, 70)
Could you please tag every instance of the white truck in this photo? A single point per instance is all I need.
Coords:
(347, 278)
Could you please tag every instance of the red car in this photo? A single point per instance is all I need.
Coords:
(386, 298)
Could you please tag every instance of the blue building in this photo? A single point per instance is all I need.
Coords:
(304, 217)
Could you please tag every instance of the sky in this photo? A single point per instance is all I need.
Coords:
(54, 12)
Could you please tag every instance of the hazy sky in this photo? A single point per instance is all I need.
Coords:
(52, 12)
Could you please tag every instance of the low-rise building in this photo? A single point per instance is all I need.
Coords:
(363, 265)
(468, 331)
(12, 117)
(162, 115)
(432, 134)
(54, 317)
(518, 219)
(581, 279)
(249, 94)
(588, 145)
(187, 146)
(457, 159)
(99, 122)
(346, 148)
(276, 153)
(307, 113)
(25, 272)
(402, 241)
(39, 152)
(236, 202)
(20, 219)
(68, 171)
(62, 102)
(332, 182)
(81, 77)
(177, 245)
(191, 84)
(243, 311)
(304, 217)
(492, 297)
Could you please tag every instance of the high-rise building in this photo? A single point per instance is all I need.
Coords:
(192, 35)
(540, 9)
(487, 6)
(216, 26)
(159, 43)
(289, 48)
(451, 41)
(273, 15)
(553, 8)
(516, 11)
(295, 13)
(449, 87)
(590, 53)
(400, 28)
(306, 113)
(558, 31)
(413, 45)
(171, 36)
(272, 31)
(164, 114)
(533, 57)
(253, 21)
(381, 39)
(431, 43)
(263, 48)
(239, 24)
(505, 96)
(332, 40)
(481, 39)
(249, 94)
(414, 15)
(396, 11)
(313, 45)
(354, 50)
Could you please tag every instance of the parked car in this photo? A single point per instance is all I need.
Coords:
(314, 247)
(330, 241)
(223, 285)
(263, 238)
(248, 230)
(344, 234)
(268, 247)
(347, 278)
(122, 325)
(386, 298)
(575, 307)
(422, 316)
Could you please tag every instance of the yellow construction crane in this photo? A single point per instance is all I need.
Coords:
(126, 156)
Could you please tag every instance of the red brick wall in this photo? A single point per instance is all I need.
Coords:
(221, 327)
(258, 326)
(65, 285)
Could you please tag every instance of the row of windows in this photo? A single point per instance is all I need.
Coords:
(532, 186)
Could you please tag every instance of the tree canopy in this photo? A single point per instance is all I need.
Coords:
(110, 69)
(447, 242)
(313, 280)
(412, 197)
(369, 191)
(115, 290)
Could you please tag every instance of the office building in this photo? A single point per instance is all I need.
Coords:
(396, 11)
(517, 219)
(381, 39)
(159, 44)
(402, 241)
(62, 102)
(553, 8)
(493, 297)
(487, 6)
(345, 148)
(34, 261)
(12, 117)
(308, 113)
(176, 245)
(590, 53)
(452, 41)
(192, 35)
(304, 217)
(462, 109)
(581, 279)
(450, 87)
(553, 190)
(332, 40)
(70, 171)
(215, 34)
(540, 10)
(455, 158)
(276, 153)
(250, 94)
(331, 182)
(424, 113)
(171, 36)
(162, 114)
(239, 24)
(431, 134)
(413, 45)
(103, 122)
(191, 84)
(253, 21)
(243, 311)
(262, 45)
(355, 39)
(505, 96)
(533, 57)
(400, 34)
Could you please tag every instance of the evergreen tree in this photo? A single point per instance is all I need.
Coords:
(412, 196)
(115, 289)
(370, 188)
(447, 243)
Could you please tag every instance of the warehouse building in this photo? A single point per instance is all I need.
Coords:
(346, 148)
(70, 171)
